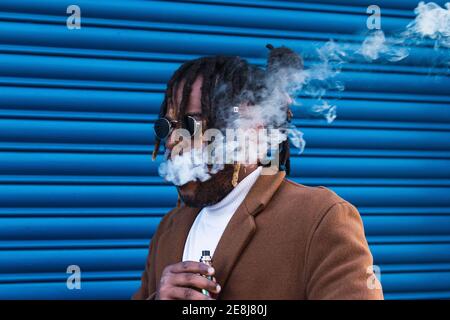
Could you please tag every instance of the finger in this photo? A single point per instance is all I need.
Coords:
(194, 280)
(187, 294)
(192, 267)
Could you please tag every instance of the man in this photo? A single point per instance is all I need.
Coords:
(269, 238)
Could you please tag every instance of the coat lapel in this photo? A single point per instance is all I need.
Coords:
(171, 242)
(235, 238)
(242, 226)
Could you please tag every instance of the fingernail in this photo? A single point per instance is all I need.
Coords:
(218, 288)
(210, 270)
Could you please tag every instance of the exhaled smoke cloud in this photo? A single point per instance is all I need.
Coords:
(186, 167)
(285, 80)
(320, 79)
(377, 46)
(432, 24)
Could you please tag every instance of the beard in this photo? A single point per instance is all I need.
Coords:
(199, 194)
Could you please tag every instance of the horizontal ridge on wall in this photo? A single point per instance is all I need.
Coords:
(123, 195)
(106, 40)
(77, 184)
(214, 13)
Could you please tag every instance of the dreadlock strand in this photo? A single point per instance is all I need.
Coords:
(173, 83)
(168, 97)
(226, 83)
(156, 149)
(208, 90)
(191, 75)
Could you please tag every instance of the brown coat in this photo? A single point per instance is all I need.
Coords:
(285, 241)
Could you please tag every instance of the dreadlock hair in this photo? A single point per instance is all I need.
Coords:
(227, 81)
(283, 58)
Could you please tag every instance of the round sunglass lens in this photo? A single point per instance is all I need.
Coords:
(191, 125)
(162, 128)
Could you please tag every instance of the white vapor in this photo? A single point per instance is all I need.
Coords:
(431, 24)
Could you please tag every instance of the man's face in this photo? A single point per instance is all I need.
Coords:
(196, 193)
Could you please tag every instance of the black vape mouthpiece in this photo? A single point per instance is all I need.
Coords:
(205, 253)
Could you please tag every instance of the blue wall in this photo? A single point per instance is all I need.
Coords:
(77, 185)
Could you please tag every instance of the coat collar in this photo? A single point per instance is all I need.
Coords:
(235, 237)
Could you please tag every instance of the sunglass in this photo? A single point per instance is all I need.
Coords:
(163, 126)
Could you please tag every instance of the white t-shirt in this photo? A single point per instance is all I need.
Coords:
(211, 221)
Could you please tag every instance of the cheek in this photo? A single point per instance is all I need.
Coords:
(189, 187)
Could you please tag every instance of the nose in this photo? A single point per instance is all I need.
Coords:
(171, 141)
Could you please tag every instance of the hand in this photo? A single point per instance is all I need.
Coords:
(179, 279)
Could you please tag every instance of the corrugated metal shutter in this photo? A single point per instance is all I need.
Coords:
(77, 185)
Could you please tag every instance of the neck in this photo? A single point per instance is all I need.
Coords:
(238, 193)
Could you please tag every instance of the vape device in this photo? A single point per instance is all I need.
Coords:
(206, 259)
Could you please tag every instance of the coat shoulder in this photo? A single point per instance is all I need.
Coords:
(305, 203)
(319, 195)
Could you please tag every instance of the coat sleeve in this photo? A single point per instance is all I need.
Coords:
(339, 262)
(147, 289)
